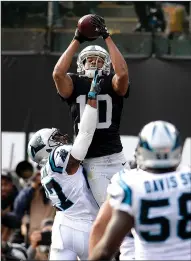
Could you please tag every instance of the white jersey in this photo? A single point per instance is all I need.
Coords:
(68, 193)
(161, 207)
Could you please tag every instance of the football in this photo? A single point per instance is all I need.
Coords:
(86, 28)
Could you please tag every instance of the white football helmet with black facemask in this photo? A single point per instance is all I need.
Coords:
(93, 51)
(43, 142)
(159, 146)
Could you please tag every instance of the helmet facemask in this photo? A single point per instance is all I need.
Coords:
(91, 64)
(43, 142)
(101, 55)
(58, 139)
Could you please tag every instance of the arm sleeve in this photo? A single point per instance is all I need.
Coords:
(84, 138)
(120, 193)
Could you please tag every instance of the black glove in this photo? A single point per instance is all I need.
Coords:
(99, 23)
(81, 38)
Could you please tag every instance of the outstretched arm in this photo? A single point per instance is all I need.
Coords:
(87, 128)
(63, 81)
(119, 225)
(121, 77)
(100, 225)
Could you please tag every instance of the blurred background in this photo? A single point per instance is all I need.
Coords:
(155, 39)
(49, 26)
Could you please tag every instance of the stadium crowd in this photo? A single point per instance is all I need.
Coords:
(75, 178)
(169, 16)
(26, 214)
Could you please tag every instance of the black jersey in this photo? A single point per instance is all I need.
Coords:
(106, 140)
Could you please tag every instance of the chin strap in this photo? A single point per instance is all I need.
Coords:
(91, 73)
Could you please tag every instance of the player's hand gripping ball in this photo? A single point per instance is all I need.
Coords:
(86, 27)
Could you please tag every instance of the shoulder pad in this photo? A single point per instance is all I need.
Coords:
(115, 192)
(58, 158)
(119, 188)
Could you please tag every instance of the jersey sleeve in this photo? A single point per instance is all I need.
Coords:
(128, 91)
(58, 159)
(120, 193)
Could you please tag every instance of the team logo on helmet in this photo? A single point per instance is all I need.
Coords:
(38, 145)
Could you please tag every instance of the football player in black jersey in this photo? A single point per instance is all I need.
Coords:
(105, 156)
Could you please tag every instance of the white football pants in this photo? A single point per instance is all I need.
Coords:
(100, 171)
(127, 249)
(69, 242)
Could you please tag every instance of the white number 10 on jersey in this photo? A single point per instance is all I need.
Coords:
(102, 97)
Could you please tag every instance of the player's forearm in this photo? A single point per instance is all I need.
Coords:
(92, 103)
(112, 238)
(64, 62)
(100, 225)
(88, 122)
(100, 254)
(84, 138)
(118, 62)
(95, 236)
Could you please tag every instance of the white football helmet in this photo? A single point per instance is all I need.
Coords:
(42, 143)
(93, 51)
(159, 146)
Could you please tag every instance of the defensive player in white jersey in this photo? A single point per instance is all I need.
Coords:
(154, 200)
(64, 182)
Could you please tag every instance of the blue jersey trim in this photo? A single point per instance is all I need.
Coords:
(128, 192)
